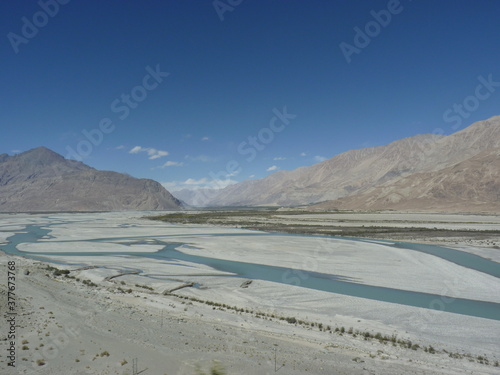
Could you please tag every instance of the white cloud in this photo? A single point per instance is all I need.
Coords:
(303, 154)
(152, 152)
(171, 163)
(121, 147)
(155, 154)
(279, 158)
(273, 168)
(251, 176)
(192, 181)
(319, 158)
(195, 184)
(205, 139)
(16, 151)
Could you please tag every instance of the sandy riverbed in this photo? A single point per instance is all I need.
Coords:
(171, 335)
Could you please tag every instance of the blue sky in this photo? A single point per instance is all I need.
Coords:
(188, 91)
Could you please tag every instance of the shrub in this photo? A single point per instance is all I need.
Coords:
(58, 272)
(89, 283)
(216, 369)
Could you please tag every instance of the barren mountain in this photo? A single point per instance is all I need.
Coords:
(360, 171)
(42, 180)
(469, 186)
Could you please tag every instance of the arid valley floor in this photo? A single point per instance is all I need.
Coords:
(96, 292)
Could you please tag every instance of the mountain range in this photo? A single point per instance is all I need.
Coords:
(42, 180)
(457, 172)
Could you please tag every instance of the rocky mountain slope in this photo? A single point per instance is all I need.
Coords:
(42, 180)
(471, 185)
(377, 173)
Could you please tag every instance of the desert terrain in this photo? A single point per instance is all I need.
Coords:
(93, 294)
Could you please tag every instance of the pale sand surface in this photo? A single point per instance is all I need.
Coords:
(76, 322)
(367, 263)
(487, 247)
(429, 219)
(170, 335)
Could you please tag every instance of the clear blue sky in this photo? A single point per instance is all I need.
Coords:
(225, 78)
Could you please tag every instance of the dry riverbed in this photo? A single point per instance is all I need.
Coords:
(98, 316)
(475, 233)
(67, 325)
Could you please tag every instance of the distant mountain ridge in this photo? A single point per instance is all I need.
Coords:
(42, 180)
(370, 178)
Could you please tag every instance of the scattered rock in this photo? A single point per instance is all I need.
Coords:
(246, 283)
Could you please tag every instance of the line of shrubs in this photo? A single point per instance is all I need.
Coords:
(384, 339)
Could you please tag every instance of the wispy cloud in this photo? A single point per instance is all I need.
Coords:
(195, 184)
(152, 152)
(272, 168)
(171, 163)
(205, 139)
(303, 154)
(279, 158)
(319, 158)
(121, 147)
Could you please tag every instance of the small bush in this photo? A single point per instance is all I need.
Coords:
(89, 283)
(216, 369)
(58, 272)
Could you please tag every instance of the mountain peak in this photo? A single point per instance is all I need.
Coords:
(362, 171)
(42, 153)
(42, 180)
